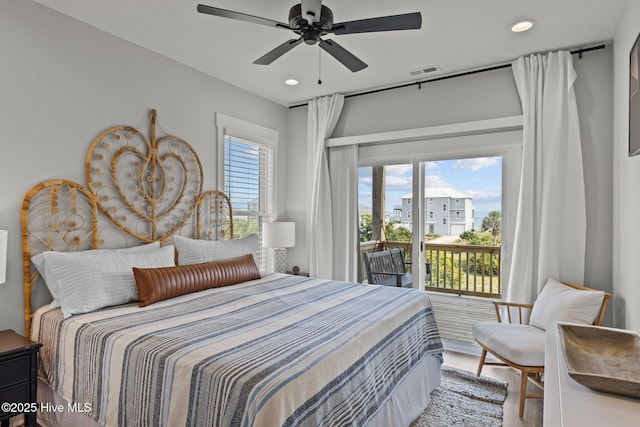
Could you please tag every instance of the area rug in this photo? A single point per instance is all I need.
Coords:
(463, 399)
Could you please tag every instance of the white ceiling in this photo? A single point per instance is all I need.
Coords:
(456, 35)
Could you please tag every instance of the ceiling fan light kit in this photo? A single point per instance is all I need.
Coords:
(311, 21)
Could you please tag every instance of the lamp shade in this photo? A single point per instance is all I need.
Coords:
(3, 256)
(279, 234)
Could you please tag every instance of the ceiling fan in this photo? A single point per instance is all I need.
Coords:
(311, 20)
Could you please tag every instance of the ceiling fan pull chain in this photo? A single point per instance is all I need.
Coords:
(319, 65)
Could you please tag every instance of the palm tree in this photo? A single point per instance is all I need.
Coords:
(493, 223)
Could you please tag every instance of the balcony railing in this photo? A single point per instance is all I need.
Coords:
(458, 269)
(464, 269)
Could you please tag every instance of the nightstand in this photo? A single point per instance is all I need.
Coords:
(18, 376)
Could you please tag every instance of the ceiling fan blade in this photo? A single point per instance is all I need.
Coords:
(347, 58)
(407, 21)
(276, 53)
(215, 11)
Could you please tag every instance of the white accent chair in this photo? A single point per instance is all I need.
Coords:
(517, 338)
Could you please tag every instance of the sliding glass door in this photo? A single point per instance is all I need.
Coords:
(445, 216)
(463, 225)
(387, 214)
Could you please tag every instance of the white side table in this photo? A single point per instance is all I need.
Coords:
(570, 404)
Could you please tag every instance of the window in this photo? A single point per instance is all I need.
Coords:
(431, 201)
(430, 214)
(457, 214)
(248, 181)
(457, 202)
(247, 176)
(444, 207)
(444, 221)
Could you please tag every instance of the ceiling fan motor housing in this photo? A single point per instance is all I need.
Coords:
(310, 33)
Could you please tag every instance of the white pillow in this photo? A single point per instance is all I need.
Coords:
(561, 303)
(90, 281)
(192, 251)
(50, 280)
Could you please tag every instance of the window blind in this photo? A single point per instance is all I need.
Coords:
(248, 181)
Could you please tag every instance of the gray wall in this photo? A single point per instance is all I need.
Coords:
(594, 95)
(476, 97)
(64, 82)
(626, 181)
(484, 96)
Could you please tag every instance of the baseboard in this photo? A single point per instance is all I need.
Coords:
(463, 347)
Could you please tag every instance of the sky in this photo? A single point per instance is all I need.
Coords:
(481, 178)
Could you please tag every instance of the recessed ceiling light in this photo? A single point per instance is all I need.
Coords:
(524, 25)
(291, 82)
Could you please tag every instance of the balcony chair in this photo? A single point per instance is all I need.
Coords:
(387, 268)
(517, 338)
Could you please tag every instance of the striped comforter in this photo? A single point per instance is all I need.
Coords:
(283, 350)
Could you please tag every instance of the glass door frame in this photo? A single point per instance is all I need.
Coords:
(507, 144)
(418, 211)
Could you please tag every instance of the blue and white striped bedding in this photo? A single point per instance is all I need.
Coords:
(283, 350)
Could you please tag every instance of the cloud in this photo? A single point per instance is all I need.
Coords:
(366, 181)
(486, 201)
(397, 177)
(435, 181)
(491, 196)
(485, 194)
(397, 170)
(399, 182)
(430, 165)
(475, 164)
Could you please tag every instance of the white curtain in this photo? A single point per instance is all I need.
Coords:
(343, 168)
(551, 219)
(323, 116)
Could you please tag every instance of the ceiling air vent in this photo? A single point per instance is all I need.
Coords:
(425, 70)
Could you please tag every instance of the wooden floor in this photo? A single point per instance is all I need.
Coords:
(454, 357)
(457, 314)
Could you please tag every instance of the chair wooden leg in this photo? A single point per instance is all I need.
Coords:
(523, 391)
(482, 357)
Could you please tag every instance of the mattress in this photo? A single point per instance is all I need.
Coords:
(282, 350)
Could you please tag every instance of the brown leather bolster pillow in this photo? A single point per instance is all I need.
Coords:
(157, 284)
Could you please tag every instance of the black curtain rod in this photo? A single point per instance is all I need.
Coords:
(578, 52)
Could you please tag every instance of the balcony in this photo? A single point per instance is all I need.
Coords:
(455, 269)
(465, 279)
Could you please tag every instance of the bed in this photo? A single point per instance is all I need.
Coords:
(275, 349)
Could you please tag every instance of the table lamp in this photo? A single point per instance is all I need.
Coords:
(3, 256)
(279, 236)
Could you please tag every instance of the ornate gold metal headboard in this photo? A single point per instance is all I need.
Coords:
(147, 189)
